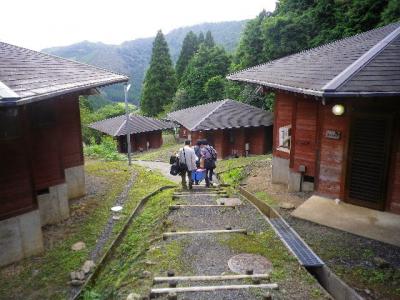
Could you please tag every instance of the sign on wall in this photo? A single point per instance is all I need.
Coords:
(333, 134)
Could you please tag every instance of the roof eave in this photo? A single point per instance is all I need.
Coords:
(22, 101)
(277, 86)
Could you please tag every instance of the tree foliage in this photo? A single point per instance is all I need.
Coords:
(189, 47)
(160, 82)
(209, 40)
(207, 63)
(296, 25)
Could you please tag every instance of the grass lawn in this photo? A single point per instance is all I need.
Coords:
(47, 276)
(170, 147)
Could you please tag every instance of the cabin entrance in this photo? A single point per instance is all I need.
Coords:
(368, 159)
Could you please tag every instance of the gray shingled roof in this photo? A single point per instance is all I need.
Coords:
(367, 64)
(137, 124)
(220, 115)
(27, 75)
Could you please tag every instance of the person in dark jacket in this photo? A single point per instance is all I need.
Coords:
(209, 155)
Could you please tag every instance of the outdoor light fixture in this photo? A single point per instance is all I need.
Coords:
(338, 109)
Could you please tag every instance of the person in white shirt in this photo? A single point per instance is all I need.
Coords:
(187, 157)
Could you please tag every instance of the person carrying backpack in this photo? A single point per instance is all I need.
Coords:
(187, 163)
(209, 155)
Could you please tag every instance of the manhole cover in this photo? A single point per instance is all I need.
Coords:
(242, 262)
(229, 201)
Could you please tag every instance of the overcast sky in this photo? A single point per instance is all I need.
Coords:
(39, 24)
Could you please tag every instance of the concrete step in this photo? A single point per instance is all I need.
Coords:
(212, 288)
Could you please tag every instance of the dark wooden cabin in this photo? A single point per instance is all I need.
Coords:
(41, 157)
(145, 133)
(337, 118)
(233, 128)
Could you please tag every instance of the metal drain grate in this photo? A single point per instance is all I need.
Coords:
(296, 245)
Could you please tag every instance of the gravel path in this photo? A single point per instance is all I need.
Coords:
(208, 254)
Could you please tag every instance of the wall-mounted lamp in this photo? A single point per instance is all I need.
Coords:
(338, 109)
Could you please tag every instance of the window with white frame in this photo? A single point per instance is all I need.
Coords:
(284, 138)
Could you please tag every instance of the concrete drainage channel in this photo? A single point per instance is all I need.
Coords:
(305, 255)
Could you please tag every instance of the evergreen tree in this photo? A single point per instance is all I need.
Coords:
(201, 38)
(209, 40)
(250, 49)
(205, 64)
(189, 48)
(160, 82)
(214, 88)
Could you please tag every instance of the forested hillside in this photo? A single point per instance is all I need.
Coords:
(296, 25)
(133, 57)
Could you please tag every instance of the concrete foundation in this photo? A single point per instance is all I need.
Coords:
(294, 179)
(20, 237)
(54, 206)
(75, 179)
(280, 170)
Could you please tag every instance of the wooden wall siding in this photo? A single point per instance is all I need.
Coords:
(155, 139)
(46, 140)
(70, 124)
(16, 185)
(283, 110)
(256, 137)
(183, 132)
(303, 150)
(221, 143)
(332, 153)
(197, 135)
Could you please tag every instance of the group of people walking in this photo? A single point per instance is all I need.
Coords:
(200, 159)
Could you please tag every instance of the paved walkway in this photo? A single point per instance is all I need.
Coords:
(164, 168)
(159, 166)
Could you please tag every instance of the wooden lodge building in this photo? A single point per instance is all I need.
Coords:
(145, 133)
(337, 118)
(233, 128)
(41, 157)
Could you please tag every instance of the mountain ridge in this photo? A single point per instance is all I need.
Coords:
(132, 57)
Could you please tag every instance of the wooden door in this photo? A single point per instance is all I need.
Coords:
(368, 164)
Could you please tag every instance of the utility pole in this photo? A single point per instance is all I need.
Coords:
(128, 136)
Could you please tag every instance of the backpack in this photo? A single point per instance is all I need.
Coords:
(175, 170)
(213, 153)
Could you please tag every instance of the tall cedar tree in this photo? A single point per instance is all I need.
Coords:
(205, 65)
(200, 39)
(209, 40)
(189, 47)
(159, 84)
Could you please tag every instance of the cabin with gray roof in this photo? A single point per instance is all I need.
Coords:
(145, 133)
(41, 157)
(337, 118)
(233, 128)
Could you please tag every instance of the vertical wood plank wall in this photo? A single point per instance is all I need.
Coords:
(70, 124)
(17, 194)
(48, 168)
(283, 110)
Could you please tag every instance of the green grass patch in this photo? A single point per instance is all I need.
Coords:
(264, 196)
(53, 267)
(106, 150)
(233, 176)
(170, 147)
(233, 163)
(46, 276)
(286, 269)
(123, 273)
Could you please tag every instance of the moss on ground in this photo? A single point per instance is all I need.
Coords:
(139, 252)
(46, 276)
(267, 198)
(286, 269)
(233, 163)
